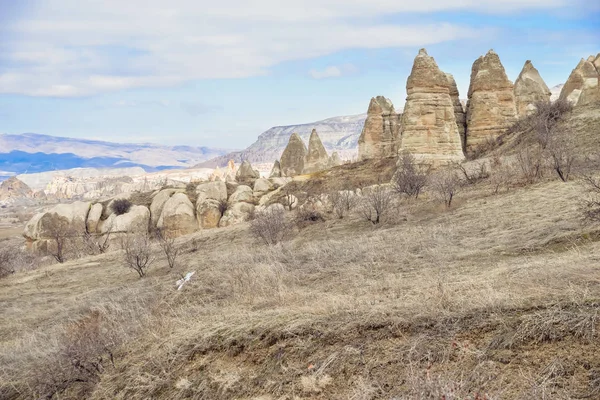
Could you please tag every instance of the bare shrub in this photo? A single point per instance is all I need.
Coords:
(6, 266)
(343, 202)
(169, 248)
(445, 185)
(561, 154)
(473, 175)
(546, 117)
(121, 206)
(61, 231)
(530, 164)
(271, 225)
(376, 203)
(591, 205)
(138, 252)
(307, 215)
(410, 178)
(96, 244)
(289, 200)
(501, 177)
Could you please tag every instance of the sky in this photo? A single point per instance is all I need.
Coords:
(218, 74)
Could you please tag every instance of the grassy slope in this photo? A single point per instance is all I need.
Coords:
(498, 296)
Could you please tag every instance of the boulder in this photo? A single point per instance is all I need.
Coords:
(12, 188)
(262, 185)
(93, 218)
(292, 159)
(211, 191)
(243, 193)
(276, 170)
(246, 174)
(237, 213)
(279, 182)
(208, 213)
(316, 157)
(71, 216)
(177, 217)
(459, 111)
(380, 137)
(231, 187)
(529, 89)
(583, 85)
(158, 202)
(136, 220)
(429, 129)
(491, 101)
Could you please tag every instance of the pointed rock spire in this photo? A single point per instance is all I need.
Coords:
(459, 110)
(583, 86)
(491, 105)
(316, 157)
(292, 159)
(380, 137)
(429, 129)
(276, 170)
(529, 88)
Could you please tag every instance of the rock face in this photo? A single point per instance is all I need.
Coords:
(242, 193)
(380, 137)
(136, 220)
(529, 88)
(292, 159)
(212, 190)
(208, 214)
(93, 218)
(316, 158)
(246, 173)
(41, 226)
(491, 101)
(429, 129)
(12, 188)
(237, 213)
(583, 86)
(276, 170)
(459, 110)
(177, 217)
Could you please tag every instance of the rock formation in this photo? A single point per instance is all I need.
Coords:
(491, 101)
(380, 137)
(292, 159)
(136, 220)
(276, 170)
(583, 86)
(429, 129)
(459, 110)
(335, 160)
(316, 157)
(529, 89)
(13, 189)
(246, 174)
(177, 217)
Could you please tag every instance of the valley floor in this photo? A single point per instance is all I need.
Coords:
(497, 298)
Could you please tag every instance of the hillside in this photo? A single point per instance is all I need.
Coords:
(495, 297)
(30, 153)
(337, 134)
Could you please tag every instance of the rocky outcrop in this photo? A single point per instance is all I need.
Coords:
(93, 218)
(380, 137)
(242, 193)
(136, 220)
(276, 170)
(459, 111)
(212, 190)
(43, 225)
(262, 186)
(237, 213)
(316, 157)
(208, 214)
(177, 217)
(429, 129)
(14, 189)
(529, 89)
(491, 101)
(583, 86)
(246, 174)
(158, 202)
(292, 159)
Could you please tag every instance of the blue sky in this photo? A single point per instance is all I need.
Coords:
(200, 73)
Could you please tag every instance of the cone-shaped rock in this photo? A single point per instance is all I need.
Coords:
(246, 174)
(335, 160)
(459, 110)
(292, 159)
(276, 170)
(316, 158)
(529, 89)
(429, 129)
(380, 137)
(491, 106)
(583, 86)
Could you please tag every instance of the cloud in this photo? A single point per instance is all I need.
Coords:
(332, 71)
(196, 109)
(69, 48)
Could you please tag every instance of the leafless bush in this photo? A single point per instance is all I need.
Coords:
(376, 203)
(271, 225)
(530, 164)
(289, 200)
(6, 266)
(445, 185)
(473, 175)
(343, 202)
(307, 215)
(561, 154)
(410, 178)
(501, 177)
(591, 205)
(121, 206)
(543, 121)
(62, 232)
(138, 252)
(223, 206)
(168, 246)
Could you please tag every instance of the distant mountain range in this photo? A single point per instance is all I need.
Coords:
(338, 134)
(31, 152)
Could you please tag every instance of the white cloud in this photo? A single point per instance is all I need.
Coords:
(329, 72)
(74, 48)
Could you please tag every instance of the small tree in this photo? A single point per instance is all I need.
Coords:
(138, 252)
(343, 202)
(121, 206)
(561, 154)
(270, 225)
(289, 200)
(60, 231)
(168, 246)
(591, 206)
(376, 203)
(530, 164)
(446, 185)
(409, 179)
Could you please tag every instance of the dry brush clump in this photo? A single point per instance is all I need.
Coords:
(343, 202)
(591, 205)
(376, 204)
(271, 225)
(169, 247)
(445, 185)
(410, 178)
(137, 252)
(121, 206)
